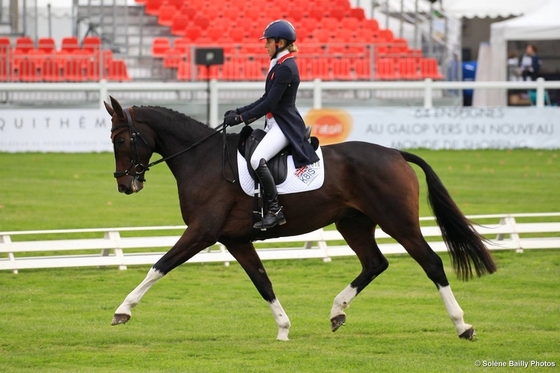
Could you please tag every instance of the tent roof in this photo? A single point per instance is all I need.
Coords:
(489, 8)
(541, 24)
(466, 8)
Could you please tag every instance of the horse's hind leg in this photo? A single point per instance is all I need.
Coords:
(412, 240)
(247, 257)
(358, 232)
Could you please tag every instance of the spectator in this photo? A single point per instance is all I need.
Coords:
(530, 63)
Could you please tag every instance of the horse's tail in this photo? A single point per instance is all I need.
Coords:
(465, 245)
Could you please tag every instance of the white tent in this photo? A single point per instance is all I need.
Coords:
(541, 24)
(488, 8)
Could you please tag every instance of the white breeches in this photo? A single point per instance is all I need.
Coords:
(271, 144)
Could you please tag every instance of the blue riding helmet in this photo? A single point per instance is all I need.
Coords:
(280, 29)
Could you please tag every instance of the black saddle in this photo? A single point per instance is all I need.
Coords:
(278, 165)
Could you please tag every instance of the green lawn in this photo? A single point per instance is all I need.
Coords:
(209, 318)
(52, 191)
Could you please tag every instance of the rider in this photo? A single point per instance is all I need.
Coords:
(284, 124)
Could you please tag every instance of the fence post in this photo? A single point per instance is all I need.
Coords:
(6, 240)
(116, 238)
(103, 92)
(317, 94)
(540, 92)
(213, 102)
(428, 93)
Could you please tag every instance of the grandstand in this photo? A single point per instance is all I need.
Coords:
(156, 40)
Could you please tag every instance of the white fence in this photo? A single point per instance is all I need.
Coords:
(117, 246)
(428, 87)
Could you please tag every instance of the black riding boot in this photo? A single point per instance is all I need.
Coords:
(274, 216)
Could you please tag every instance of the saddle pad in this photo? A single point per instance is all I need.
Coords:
(303, 179)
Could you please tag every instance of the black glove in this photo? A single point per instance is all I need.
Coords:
(229, 112)
(233, 119)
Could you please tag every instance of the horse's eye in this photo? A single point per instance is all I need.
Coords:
(120, 141)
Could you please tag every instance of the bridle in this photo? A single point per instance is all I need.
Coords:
(137, 168)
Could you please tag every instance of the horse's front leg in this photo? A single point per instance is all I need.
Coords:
(190, 243)
(247, 257)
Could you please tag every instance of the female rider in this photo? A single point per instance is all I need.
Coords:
(284, 124)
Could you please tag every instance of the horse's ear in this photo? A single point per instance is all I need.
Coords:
(109, 108)
(117, 107)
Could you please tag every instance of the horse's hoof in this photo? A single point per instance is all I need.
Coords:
(468, 334)
(337, 322)
(120, 318)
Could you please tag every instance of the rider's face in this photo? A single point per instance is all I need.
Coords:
(271, 44)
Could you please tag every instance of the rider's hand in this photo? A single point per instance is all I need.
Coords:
(229, 112)
(233, 119)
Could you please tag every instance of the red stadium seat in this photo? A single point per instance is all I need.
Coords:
(179, 24)
(117, 71)
(348, 23)
(184, 71)
(73, 71)
(429, 69)
(160, 46)
(320, 68)
(178, 4)
(152, 7)
(192, 33)
(166, 14)
(201, 22)
(188, 11)
(357, 13)
(27, 71)
(69, 44)
(47, 45)
(3, 70)
(330, 24)
(24, 44)
(50, 71)
(93, 72)
(408, 69)
(338, 13)
(341, 69)
(254, 70)
(386, 35)
(176, 55)
(361, 67)
(385, 69)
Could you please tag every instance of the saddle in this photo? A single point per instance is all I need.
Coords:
(278, 165)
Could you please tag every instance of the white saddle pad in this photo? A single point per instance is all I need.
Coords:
(298, 180)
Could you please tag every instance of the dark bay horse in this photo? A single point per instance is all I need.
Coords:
(365, 186)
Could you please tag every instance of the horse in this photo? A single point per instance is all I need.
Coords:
(365, 186)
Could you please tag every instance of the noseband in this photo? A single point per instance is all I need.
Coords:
(136, 168)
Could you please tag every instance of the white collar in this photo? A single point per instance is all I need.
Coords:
(278, 56)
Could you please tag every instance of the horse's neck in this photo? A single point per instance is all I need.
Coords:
(185, 141)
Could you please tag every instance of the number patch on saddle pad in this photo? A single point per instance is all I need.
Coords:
(307, 174)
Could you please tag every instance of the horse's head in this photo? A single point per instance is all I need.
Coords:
(132, 151)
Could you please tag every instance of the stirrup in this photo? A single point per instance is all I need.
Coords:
(267, 222)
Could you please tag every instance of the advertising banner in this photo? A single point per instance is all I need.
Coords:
(88, 130)
(440, 128)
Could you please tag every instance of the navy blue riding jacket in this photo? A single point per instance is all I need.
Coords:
(279, 99)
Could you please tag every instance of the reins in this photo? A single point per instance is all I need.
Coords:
(139, 168)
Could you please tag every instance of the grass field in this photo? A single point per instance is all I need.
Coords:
(50, 191)
(209, 318)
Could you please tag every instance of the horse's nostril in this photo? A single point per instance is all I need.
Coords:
(122, 188)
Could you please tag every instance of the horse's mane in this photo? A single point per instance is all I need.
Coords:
(178, 118)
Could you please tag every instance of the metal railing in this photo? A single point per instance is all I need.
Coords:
(219, 90)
